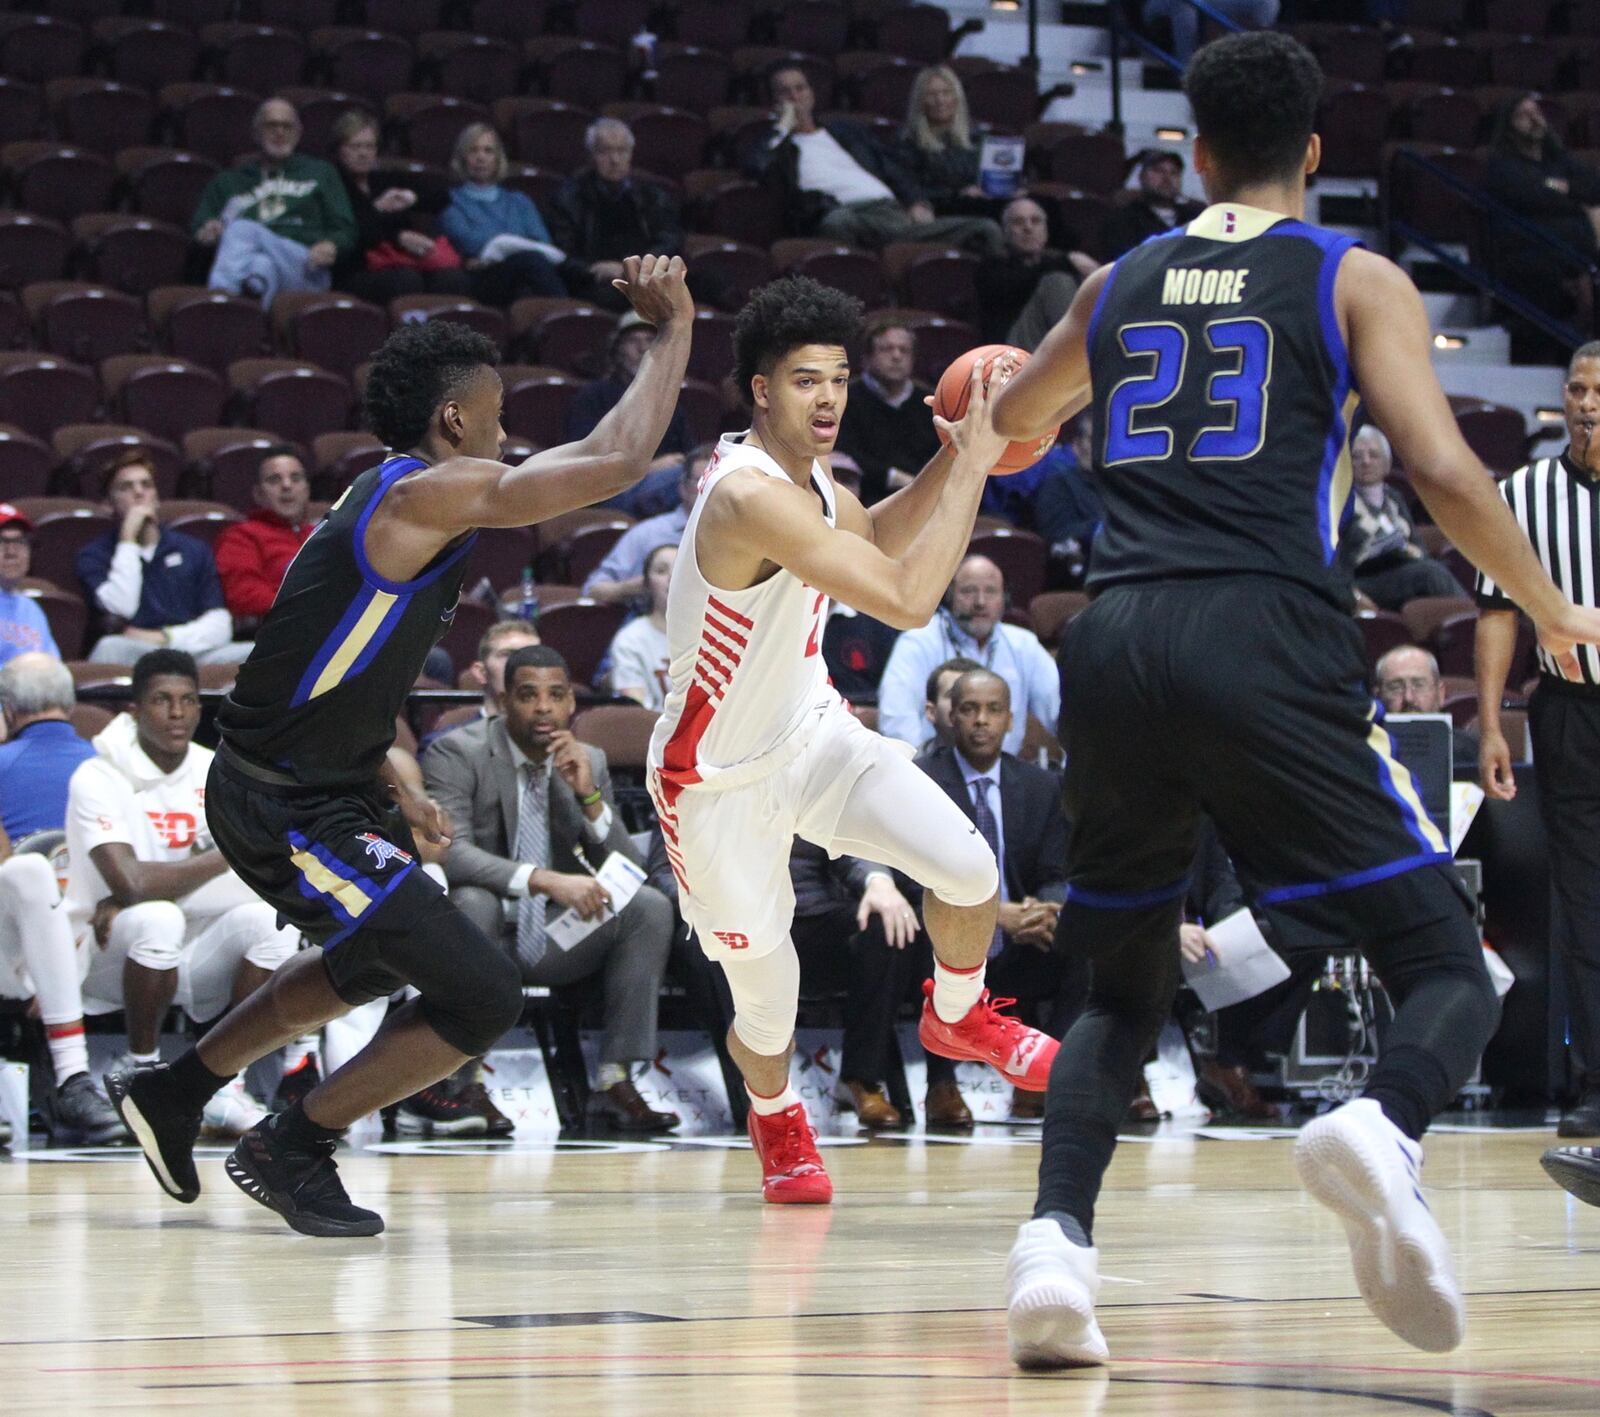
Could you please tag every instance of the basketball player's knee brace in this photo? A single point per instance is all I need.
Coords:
(269, 945)
(480, 996)
(29, 881)
(968, 874)
(154, 930)
(766, 997)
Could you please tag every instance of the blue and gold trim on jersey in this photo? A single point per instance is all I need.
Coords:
(356, 639)
(350, 896)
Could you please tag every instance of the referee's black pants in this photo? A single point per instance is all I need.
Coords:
(1564, 721)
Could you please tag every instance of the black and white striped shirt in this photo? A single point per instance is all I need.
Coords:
(1557, 505)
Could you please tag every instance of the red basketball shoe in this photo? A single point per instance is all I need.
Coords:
(1021, 1055)
(791, 1170)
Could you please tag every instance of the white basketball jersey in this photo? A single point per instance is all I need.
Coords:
(745, 665)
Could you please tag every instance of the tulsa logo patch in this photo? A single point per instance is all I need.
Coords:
(381, 850)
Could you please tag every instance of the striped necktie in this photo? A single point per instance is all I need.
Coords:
(989, 830)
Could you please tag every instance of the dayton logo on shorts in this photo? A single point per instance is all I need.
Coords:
(733, 939)
(380, 850)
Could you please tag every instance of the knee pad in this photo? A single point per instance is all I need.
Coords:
(269, 945)
(970, 877)
(479, 997)
(30, 880)
(154, 930)
(766, 997)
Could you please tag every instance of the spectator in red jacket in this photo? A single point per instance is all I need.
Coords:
(252, 555)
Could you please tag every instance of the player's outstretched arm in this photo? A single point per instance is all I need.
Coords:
(1391, 352)
(470, 492)
(769, 520)
(1053, 385)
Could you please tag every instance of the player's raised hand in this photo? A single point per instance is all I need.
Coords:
(972, 437)
(657, 287)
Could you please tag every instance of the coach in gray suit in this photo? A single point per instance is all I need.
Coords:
(527, 801)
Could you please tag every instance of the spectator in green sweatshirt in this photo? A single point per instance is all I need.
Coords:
(278, 221)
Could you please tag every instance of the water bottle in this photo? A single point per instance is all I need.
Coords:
(528, 605)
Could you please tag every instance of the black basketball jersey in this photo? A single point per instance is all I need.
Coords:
(1222, 391)
(341, 648)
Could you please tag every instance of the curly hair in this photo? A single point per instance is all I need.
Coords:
(417, 368)
(159, 662)
(1254, 98)
(785, 314)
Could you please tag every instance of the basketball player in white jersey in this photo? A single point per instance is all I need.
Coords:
(755, 747)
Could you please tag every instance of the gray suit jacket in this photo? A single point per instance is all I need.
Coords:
(473, 776)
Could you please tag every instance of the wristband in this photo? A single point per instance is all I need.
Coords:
(591, 799)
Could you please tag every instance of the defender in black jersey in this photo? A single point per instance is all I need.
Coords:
(302, 798)
(1218, 671)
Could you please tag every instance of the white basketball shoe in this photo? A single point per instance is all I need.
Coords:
(232, 1111)
(1051, 1286)
(1367, 1172)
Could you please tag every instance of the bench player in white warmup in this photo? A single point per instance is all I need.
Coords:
(755, 747)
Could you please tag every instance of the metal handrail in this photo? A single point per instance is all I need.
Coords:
(1119, 31)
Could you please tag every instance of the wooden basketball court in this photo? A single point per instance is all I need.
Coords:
(650, 1279)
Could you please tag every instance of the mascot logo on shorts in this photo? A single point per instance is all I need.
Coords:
(381, 850)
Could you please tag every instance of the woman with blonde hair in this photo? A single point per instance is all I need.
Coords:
(497, 229)
(936, 142)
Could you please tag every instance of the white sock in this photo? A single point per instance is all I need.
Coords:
(771, 1106)
(611, 1074)
(955, 991)
(145, 1060)
(69, 1051)
(297, 1052)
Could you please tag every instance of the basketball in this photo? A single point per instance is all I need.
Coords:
(950, 402)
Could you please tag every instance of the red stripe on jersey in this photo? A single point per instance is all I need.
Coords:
(679, 759)
(709, 642)
(708, 662)
(732, 614)
(710, 686)
(714, 624)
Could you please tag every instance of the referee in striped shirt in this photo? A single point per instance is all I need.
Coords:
(1556, 501)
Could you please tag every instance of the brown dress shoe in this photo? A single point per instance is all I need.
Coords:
(1237, 1093)
(1142, 1109)
(1026, 1106)
(872, 1108)
(619, 1108)
(945, 1107)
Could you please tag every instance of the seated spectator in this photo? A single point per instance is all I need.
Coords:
(280, 220)
(1016, 807)
(488, 670)
(398, 249)
(1378, 545)
(620, 577)
(1026, 288)
(639, 649)
(149, 898)
(37, 958)
(23, 626)
(658, 491)
(937, 707)
(159, 585)
(252, 555)
(969, 623)
(527, 799)
(606, 212)
(936, 145)
(1157, 206)
(1067, 510)
(1532, 173)
(1407, 680)
(886, 428)
(855, 647)
(497, 230)
(837, 180)
(1184, 19)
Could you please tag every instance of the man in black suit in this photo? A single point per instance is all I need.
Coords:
(533, 815)
(1017, 808)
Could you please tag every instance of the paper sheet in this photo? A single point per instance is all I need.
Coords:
(1245, 964)
(622, 880)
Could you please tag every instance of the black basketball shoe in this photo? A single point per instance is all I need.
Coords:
(1575, 1169)
(297, 1178)
(165, 1130)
